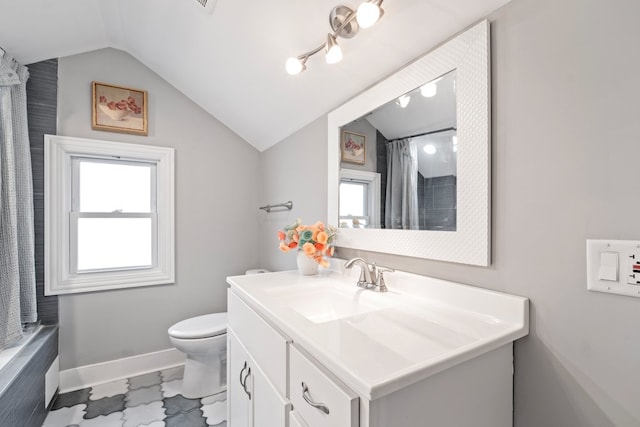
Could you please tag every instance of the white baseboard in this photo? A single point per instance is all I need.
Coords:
(99, 373)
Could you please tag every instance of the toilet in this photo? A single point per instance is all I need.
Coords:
(204, 340)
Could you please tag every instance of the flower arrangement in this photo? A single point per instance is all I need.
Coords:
(316, 241)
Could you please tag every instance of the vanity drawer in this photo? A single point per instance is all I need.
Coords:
(265, 345)
(307, 378)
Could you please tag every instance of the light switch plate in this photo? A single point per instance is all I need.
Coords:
(601, 256)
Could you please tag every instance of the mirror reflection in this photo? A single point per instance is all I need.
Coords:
(398, 168)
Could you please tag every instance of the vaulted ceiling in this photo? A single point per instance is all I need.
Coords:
(231, 62)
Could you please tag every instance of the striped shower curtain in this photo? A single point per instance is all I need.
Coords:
(17, 262)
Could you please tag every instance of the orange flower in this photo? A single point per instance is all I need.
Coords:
(281, 235)
(315, 234)
(319, 225)
(319, 246)
(323, 262)
(322, 237)
(295, 237)
(293, 245)
(309, 249)
(284, 248)
(330, 250)
(301, 228)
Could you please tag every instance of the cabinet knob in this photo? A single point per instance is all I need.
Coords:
(307, 398)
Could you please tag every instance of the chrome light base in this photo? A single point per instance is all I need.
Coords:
(338, 16)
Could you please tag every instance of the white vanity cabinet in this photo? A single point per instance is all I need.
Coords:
(320, 352)
(256, 375)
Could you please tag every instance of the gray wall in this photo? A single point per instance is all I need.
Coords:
(294, 169)
(566, 133)
(216, 204)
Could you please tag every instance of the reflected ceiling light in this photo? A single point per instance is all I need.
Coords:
(429, 90)
(430, 149)
(345, 23)
(403, 101)
(333, 53)
(454, 139)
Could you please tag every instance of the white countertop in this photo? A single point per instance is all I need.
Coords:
(377, 343)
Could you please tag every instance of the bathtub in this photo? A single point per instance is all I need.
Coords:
(9, 353)
(28, 377)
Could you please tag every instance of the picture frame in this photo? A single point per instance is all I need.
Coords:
(353, 147)
(118, 109)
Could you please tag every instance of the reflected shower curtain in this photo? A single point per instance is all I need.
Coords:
(17, 262)
(401, 206)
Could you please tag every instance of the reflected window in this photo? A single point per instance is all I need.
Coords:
(354, 204)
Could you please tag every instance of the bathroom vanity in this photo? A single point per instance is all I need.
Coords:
(319, 351)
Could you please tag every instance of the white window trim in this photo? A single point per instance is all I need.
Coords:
(57, 199)
(373, 198)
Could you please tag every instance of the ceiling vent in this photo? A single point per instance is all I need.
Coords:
(207, 6)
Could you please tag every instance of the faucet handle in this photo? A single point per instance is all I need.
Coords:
(380, 285)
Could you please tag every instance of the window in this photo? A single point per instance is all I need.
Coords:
(108, 225)
(359, 203)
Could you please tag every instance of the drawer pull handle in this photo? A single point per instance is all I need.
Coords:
(307, 398)
(243, 381)
(243, 369)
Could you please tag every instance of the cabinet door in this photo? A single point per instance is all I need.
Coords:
(270, 409)
(295, 420)
(238, 383)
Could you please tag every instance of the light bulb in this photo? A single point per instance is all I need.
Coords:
(367, 14)
(429, 149)
(333, 53)
(429, 90)
(403, 101)
(294, 66)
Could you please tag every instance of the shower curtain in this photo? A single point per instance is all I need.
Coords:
(401, 206)
(17, 261)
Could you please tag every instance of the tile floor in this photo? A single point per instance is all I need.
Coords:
(150, 400)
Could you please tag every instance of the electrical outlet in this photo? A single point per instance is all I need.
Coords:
(613, 266)
(633, 268)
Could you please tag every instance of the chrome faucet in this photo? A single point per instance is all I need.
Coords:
(371, 276)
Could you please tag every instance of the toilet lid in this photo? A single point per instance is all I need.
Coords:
(205, 326)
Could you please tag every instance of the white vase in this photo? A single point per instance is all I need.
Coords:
(306, 266)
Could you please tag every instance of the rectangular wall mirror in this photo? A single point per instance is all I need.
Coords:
(409, 159)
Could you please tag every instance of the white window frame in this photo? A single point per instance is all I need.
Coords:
(372, 179)
(60, 275)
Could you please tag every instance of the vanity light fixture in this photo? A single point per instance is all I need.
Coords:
(345, 23)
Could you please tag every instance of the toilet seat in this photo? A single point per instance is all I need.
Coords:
(205, 326)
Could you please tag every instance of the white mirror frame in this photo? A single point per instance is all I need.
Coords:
(468, 54)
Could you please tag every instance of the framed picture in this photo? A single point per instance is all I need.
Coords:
(352, 147)
(119, 109)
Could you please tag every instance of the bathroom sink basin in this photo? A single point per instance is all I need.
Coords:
(327, 303)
